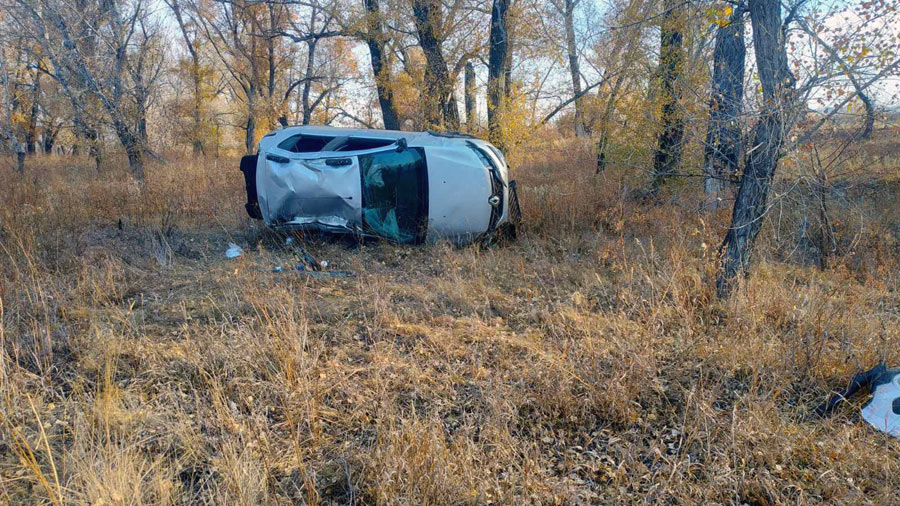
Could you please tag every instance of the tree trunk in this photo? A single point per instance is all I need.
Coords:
(471, 104)
(307, 85)
(438, 87)
(48, 138)
(20, 160)
(497, 65)
(603, 143)
(451, 113)
(723, 132)
(667, 159)
(869, 125)
(250, 136)
(197, 144)
(375, 39)
(768, 137)
(133, 149)
(31, 130)
(507, 68)
(572, 53)
(90, 137)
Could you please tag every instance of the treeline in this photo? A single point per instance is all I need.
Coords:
(664, 76)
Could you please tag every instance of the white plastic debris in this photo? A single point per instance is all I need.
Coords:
(233, 250)
(883, 411)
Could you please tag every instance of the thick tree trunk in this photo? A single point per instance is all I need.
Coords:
(768, 138)
(133, 149)
(250, 134)
(497, 65)
(471, 104)
(438, 88)
(375, 39)
(667, 159)
(572, 53)
(723, 132)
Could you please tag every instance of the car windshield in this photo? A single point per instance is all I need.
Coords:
(394, 194)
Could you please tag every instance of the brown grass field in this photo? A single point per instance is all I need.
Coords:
(588, 362)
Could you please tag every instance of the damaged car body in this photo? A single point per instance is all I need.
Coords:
(407, 187)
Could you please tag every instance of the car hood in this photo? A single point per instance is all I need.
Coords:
(458, 193)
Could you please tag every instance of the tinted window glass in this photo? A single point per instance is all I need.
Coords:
(361, 143)
(305, 143)
(394, 194)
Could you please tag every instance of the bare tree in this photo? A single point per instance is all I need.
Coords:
(240, 34)
(318, 27)
(567, 9)
(624, 44)
(107, 78)
(191, 43)
(776, 120)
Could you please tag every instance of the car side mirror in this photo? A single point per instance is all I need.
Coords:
(401, 145)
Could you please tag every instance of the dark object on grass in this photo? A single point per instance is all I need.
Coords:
(304, 255)
(883, 410)
(248, 167)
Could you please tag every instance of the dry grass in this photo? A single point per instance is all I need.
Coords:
(588, 362)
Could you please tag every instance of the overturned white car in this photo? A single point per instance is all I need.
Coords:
(408, 187)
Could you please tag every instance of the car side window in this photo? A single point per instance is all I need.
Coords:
(305, 143)
(395, 194)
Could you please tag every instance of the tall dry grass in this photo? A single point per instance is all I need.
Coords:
(587, 363)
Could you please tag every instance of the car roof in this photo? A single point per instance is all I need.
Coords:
(423, 139)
